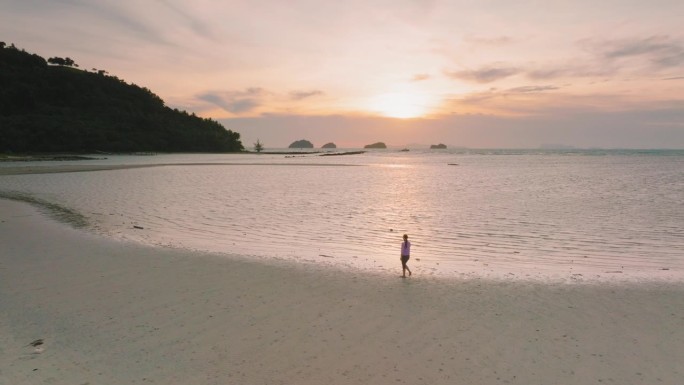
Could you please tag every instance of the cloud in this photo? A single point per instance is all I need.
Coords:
(236, 102)
(602, 58)
(299, 95)
(654, 44)
(659, 52)
(572, 71)
(492, 73)
(546, 100)
(196, 24)
(489, 41)
(484, 74)
(242, 105)
(675, 78)
(256, 100)
(127, 20)
(531, 89)
(420, 77)
(548, 73)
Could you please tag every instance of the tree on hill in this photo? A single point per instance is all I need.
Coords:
(56, 108)
(67, 62)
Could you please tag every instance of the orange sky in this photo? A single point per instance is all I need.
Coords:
(476, 74)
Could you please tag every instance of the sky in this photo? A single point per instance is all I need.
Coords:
(478, 74)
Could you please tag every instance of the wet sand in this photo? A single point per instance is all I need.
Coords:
(33, 169)
(118, 313)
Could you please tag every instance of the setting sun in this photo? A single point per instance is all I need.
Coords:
(402, 105)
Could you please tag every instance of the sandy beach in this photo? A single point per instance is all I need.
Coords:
(117, 313)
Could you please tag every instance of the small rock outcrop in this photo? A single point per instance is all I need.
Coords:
(376, 145)
(301, 144)
(329, 145)
(438, 146)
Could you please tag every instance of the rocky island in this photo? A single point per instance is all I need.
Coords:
(440, 146)
(329, 145)
(303, 143)
(376, 145)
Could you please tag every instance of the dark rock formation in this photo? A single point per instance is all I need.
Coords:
(376, 145)
(301, 144)
(329, 145)
(438, 146)
(344, 153)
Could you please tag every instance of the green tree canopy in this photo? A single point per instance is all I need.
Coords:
(57, 108)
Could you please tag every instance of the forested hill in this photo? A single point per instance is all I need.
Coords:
(56, 107)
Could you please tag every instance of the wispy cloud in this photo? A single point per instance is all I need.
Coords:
(256, 100)
(658, 51)
(299, 95)
(200, 27)
(484, 74)
(658, 45)
(581, 70)
(531, 89)
(236, 102)
(540, 101)
(420, 77)
(116, 13)
(601, 58)
(488, 40)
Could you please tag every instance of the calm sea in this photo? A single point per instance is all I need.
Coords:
(518, 214)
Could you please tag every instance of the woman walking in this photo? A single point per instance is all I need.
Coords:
(405, 255)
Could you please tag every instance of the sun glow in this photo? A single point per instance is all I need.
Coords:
(402, 105)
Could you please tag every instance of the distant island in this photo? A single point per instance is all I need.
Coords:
(301, 144)
(329, 145)
(438, 146)
(556, 146)
(53, 106)
(376, 145)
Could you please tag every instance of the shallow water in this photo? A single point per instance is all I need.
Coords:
(519, 214)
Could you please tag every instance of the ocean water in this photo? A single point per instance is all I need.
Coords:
(504, 214)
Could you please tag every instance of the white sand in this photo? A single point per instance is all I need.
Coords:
(114, 313)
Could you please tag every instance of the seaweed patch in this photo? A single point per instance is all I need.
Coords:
(54, 210)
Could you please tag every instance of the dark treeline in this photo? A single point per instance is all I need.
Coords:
(59, 108)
